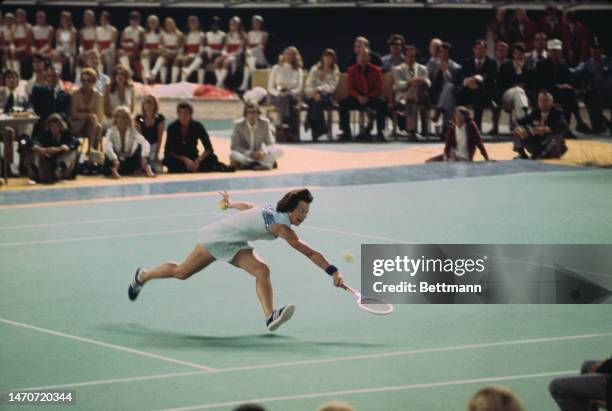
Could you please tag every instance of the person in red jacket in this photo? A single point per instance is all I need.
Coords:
(462, 139)
(365, 91)
(575, 39)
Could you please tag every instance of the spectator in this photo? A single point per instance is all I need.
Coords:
(551, 23)
(171, 42)
(359, 44)
(500, 28)
(575, 39)
(462, 139)
(257, 40)
(92, 60)
(411, 85)
(151, 46)
(131, 43)
(233, 54)
(512, 84)
(119, 92)
(285, 86)
(365, 90)
(151, 124)
(539, 52)
(576, 392)
(65, 45)
(42, 35)
(433, 49)
(12, 100)
(21, 33)
(39, 65)
(252, 143)
(444, 75)
(495, 399)
(320, 85)
(214, 40)
(181, 150)
(395, 57)
(7, 22)
(106, 37)
(48, 99)
(554, 75)
(596, 76)
(542, 131)
(523, 28)
(478, 75)
(500, 58)
(54, 153)
(87, 42)
(125, 149)
(87, 112)
(192, 48)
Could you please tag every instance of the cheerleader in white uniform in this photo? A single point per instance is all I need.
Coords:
(43, 35)
(257, 41)
(131, 43)
(193, 47)
(229, 240)
(151, 47)
(87, 40)
(21, 46)
(65, 43)
(171, 43)
(6, 37)
(213, 48)
(233, 51)
(106, 36)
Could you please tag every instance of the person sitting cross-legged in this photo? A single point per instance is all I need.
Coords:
(252, 142)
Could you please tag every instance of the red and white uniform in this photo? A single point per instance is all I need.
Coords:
(104, 37)
(88, 38)
(63, 42)
(170, 41)
(234, 43)
(20, 37)
(255, 37)
(214, 41)
(152, 40)
(42, 35)
(5, 35)
(130, 40)
(193, 42)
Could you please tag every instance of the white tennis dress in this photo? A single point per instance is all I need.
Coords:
(224, 238)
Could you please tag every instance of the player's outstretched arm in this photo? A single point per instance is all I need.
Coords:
(316, 257)
(226, 203)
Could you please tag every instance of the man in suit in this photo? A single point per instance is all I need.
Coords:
(252, 143)
(523, 28)
(500, 58)
(539, 51)
(512, 84)
(50, 99)
(444, 74)
(478, 75)
(12, 100)
(541, 133)
(411, 85)
(365, 87)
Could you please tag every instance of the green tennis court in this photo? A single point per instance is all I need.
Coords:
(66, 322)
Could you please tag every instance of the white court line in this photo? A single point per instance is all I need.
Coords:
(105, 220)
(322, 361)
(108, 345)
(371, 390)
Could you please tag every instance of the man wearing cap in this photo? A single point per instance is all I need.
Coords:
(555, 76)
(596, 77)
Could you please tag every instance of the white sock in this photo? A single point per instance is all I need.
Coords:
(163, 74)
(246, 74)
(146, 67)
(158, 65)
(175, 74)
(201, 76)
(221, 77)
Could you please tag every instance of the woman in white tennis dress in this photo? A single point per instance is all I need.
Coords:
(228, 239)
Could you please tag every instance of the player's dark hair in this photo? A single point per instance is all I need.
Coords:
(290, 201)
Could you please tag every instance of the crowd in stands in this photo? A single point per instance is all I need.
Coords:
(537, 71)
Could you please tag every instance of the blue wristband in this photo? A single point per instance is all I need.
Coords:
(331, 269)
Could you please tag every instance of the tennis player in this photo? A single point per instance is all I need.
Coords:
(228, 239)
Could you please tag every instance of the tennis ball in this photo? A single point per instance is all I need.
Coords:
(223, 205)
(348, 257)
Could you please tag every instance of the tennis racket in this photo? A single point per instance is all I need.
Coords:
(372, 305)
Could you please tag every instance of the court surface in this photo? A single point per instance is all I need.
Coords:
(66, 322)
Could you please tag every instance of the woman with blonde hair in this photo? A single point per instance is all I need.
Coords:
(125, 149)
(171, 43)
(151, 124)
(322, 80)
(86, 111)
(495, 398)
(119, 92)
(284, 86)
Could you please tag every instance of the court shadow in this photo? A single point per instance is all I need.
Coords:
(156, 338)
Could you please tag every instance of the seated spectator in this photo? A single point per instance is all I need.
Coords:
(500, 28)
(551, 22)
(596, 76)
(523, 29)
(538, 53)
(359, 44)
(125, 149)
(365, 91)
(119, 92)
(13, 99)
(285, 86)
(92, 61)
(512, 84)
(444, 75)
(106, 40)
(130, 43)
(433, 50)
(181, 150)
(151, 47)
(86, 113)
(495, 399)
(576, 392)
(54, 153)
(575, 38)
(50, 98)
(542, 132)
(500, 58)
(193, 46)
(257, 44)
(395, 57)
(64, 54)
(233, 54)
(151, 124)
(554, 75)
(478, 75)
(411, 85)
(39, 65)
(462, 139)
(253, 145)
(321, 82)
